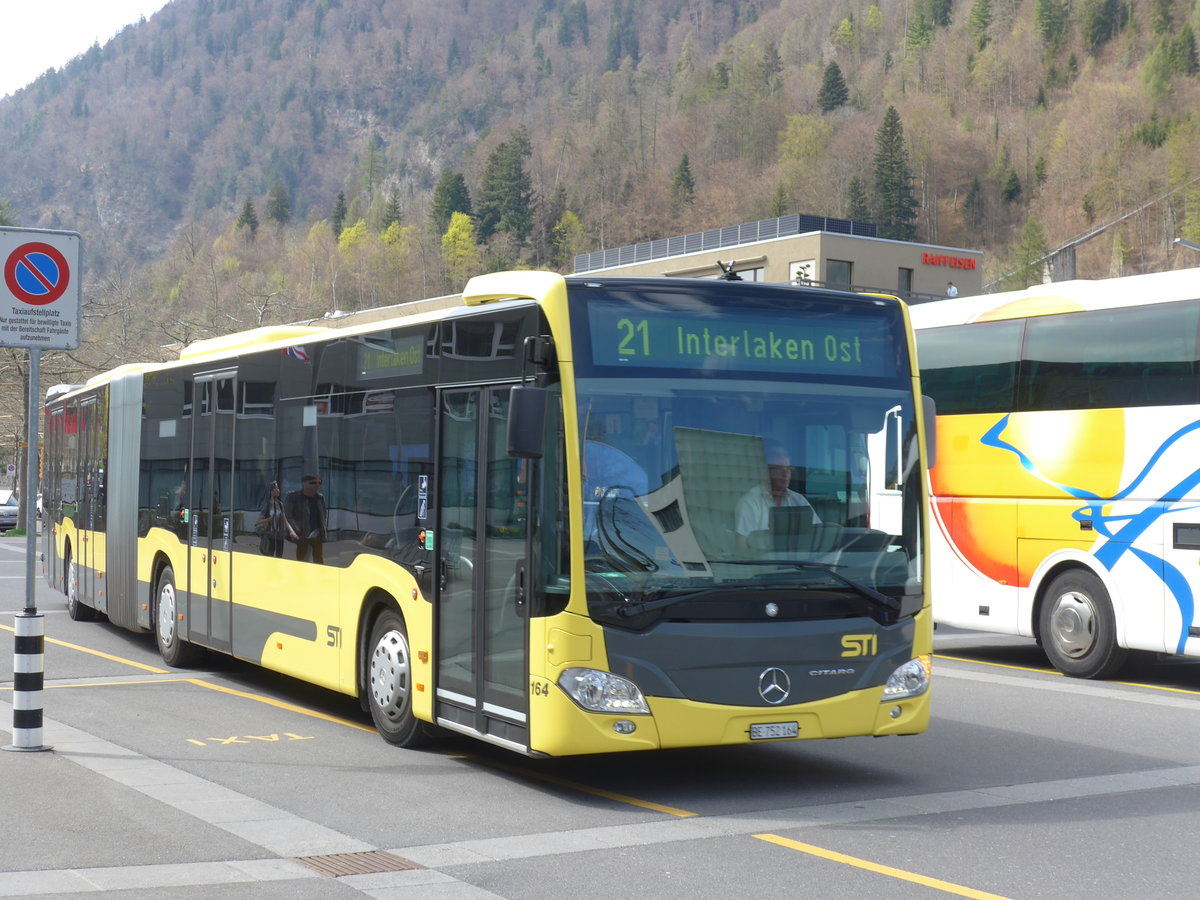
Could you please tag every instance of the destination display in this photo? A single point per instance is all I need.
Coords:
(738, 339)
(391, 358)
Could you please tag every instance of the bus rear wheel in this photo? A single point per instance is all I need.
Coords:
(1078, 628)
(76, 608)
(174, 650)
(389, 683)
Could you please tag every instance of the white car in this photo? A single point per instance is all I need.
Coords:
(9, 509)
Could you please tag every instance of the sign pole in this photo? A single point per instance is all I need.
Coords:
(40, 305)
(30, 629)
(31, 480)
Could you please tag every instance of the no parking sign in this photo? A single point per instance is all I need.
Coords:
(39, 290)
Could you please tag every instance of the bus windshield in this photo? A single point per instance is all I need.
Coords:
(746, 486)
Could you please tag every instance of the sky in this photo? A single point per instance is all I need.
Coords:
(36, 35)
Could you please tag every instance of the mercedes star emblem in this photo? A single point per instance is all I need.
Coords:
(774, 685)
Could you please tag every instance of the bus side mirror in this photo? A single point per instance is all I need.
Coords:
(929, 408)
(526, 421)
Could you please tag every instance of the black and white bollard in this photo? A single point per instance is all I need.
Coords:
(28, 669)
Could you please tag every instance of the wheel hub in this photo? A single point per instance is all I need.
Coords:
(166, 614)
(1074, 624)
(390, 674)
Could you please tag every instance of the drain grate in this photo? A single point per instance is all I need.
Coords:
(372, 862)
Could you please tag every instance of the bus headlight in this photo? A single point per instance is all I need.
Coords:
(603, 691)
(910, 680)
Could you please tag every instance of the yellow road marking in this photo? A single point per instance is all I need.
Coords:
(869, 866)
(102, 655)
(280, 704)
(995, 665)
(1136, 684)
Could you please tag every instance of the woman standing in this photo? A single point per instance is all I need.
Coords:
(273, 525)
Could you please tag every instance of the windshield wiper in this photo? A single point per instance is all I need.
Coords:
(889, 603)
(660, 602)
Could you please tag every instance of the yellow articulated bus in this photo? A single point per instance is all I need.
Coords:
(1067, 488)
(570, 515)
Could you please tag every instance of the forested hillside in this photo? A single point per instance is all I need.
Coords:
(235, 162)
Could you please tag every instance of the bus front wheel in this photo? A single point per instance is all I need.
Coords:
(174, 650)
(389, 683)
(1078, 628)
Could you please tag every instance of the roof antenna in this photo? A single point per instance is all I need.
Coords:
(727, 269)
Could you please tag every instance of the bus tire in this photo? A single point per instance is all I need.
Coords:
(76, 608)
(1078, 628)
(173, 649)
(389, 683)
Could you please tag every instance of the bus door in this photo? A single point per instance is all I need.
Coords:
(87, 557)
(52, 480)
(210, 516)
(482, 635)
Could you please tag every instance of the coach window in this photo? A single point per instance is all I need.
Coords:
(1136, 356)
(970, 368)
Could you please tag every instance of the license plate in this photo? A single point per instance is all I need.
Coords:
(774, 730)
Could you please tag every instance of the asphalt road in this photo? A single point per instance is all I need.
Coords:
(232, 782)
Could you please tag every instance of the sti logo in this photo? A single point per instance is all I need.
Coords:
(859, 645)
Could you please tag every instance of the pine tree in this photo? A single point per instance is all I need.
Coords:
(939, 12)
(834, 92)
(895, 202)
(1157, 71)
(780, 203)
(1051, 17)
(1161, 21)
(338, 219)
(573, 23)
(279, 204)
(973, 206)
(248, 218)
(920, 29)
(978, 22)
(506, 193)
(770, 68)
(1029, 258)
(622, 37)
(683, 184)
(391, 213)
(858, 209)
(450, 196)
(1010, 192)
(1100, 21)
(1184, 60)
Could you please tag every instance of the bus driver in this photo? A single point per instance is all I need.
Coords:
(753, 512)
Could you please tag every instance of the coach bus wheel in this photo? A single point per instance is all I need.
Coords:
(78, 611)
(1078, 628)
(389, 683)
(174, 650)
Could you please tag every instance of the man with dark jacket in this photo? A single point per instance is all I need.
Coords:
(305, 510)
